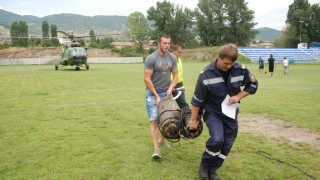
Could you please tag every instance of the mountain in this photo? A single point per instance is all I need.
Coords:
(81, 25)
(68, 22)
(267, 34)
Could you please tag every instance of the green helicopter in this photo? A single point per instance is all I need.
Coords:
(73, 55)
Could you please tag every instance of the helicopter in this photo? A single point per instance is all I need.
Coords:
(73, 55)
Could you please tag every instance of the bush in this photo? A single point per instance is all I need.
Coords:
(5, 45)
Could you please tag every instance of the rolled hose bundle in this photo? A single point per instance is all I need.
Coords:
(174, 122)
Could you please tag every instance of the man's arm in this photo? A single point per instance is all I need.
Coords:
(147, 81)
(194, 123)
(173, 83)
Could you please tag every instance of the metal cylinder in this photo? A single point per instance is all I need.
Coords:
(168, 113)
(191, 133)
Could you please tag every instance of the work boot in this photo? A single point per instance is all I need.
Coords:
(213, 176)
(156, 154)
(163, 143)
(203, 172)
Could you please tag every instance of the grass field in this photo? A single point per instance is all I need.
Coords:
(69, 124)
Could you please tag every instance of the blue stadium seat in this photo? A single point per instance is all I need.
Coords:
(297, 55)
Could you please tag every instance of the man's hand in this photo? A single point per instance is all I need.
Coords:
(194, 124)
(169, 94)
(157, 100)
(233, 100)
(238, 97)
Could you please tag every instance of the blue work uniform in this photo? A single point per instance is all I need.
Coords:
(210, 91)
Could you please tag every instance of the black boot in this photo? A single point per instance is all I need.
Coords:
(213, 176)
(203, 172)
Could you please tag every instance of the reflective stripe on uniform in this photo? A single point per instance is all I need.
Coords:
(195, 97)
(216, 154)
(213, 81)
(254, 86)
(236, 79)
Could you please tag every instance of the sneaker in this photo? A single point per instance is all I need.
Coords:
(163, 143)
(203, 172)
(213, 176)
(156, 154)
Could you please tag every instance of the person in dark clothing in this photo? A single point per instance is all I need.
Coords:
(272, 64)
(219, 88)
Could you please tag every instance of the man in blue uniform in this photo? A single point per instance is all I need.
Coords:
(220, 80)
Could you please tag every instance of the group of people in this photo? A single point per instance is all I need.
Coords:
(218, 83)
(272, 65)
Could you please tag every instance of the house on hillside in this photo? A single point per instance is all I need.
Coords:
(120, 45)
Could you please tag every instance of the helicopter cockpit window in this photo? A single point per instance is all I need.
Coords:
(76, 52)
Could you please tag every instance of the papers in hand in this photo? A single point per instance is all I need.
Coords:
(230, 110)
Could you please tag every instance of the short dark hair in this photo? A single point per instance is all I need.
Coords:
(163, 36)
(230, 51)
(176, 47)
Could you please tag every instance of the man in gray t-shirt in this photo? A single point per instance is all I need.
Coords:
(157, 70)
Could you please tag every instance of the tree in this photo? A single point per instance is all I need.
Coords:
(225, 21)
(23, 33)
(177, 22)
(45, 29)
(19, 33)
(106, 42)
(139, 30)
(54, 35)
(210, 21)
(92, 36)
(305, 20)
(14, 33)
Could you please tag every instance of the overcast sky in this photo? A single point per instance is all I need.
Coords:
(268, 13)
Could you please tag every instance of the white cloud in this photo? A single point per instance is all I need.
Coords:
(1, 7)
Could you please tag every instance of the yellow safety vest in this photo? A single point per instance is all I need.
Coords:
(180, 71)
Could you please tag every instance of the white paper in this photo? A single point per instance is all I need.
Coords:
(230, 110)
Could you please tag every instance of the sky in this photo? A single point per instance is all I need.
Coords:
(268, 13)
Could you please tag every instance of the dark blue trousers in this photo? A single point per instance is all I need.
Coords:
(223, 132)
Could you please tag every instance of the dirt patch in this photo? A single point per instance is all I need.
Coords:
(277, 128)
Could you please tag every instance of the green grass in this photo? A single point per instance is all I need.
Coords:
(93, 124)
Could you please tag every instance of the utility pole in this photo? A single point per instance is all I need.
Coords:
(300, 29)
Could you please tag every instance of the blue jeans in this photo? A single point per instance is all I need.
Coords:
(151, 106)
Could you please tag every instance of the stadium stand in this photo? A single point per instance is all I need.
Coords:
(297, 55)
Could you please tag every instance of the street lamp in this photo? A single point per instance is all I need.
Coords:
(300, 29)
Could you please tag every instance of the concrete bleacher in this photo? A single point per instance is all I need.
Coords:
(298, 55)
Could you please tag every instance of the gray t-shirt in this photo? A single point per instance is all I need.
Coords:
(162, 67)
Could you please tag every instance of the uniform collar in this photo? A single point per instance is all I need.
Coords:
(213, 66)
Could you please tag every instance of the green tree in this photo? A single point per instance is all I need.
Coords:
(54, 35)
(23, 33)
(106, 42)
(45, 29)
(14, 33)
(225, 21)
(19, 33)
(139, 30)
(240, 20)
(92, 35)
(305, 19)
(177, 22)
(210, 21)
(314, 25)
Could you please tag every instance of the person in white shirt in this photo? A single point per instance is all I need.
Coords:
(285, 64)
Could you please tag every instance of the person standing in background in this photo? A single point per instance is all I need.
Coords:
(272, 64)
(181, 100)
(285, 65)
(261, 65)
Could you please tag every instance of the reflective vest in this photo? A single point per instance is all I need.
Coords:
(180, 71)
